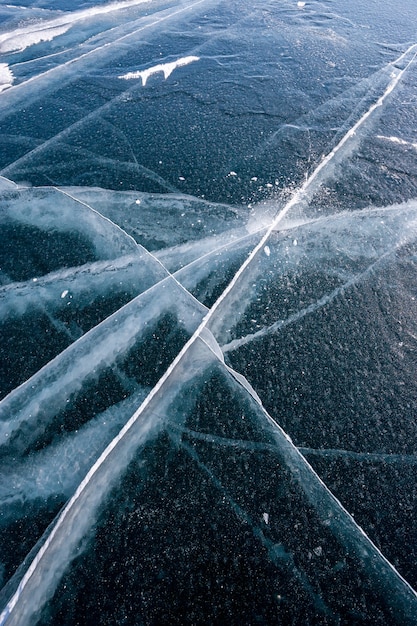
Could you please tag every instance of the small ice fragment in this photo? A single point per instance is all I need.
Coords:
(35, 280)
(232, 173)
(254, 178)
(301, 5)
(267, 250)
(137, 201)
(269, 185)
(266, 517)
(64, 293)
(181, 178)
(295, 242)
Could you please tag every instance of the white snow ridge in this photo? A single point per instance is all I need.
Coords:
(166, 68)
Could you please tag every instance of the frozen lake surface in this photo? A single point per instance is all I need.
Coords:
(208, 310)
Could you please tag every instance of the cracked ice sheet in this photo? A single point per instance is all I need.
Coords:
(94, 129)
(44, 30)
(328, 382)
(69, 234)
(66, 303)
(379, 490)
(279, 525)
(62, 306)
(41, 41)
(329, 342)
(278, 552)
(169, 220)
(85, 394)
(76, 269)
(329, 379)
(270, 296)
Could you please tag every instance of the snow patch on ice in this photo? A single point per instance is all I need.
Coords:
(19, 41)
(166, 68)
(6, 77)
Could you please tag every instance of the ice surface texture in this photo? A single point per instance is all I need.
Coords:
(208, 246)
